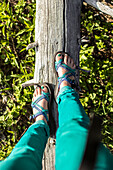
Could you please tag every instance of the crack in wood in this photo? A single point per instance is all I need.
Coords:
(64, 25)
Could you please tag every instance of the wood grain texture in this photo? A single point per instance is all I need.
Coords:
(57, 28)
(49, 33)
(72, 28)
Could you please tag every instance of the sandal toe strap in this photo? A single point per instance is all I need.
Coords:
(60, 64)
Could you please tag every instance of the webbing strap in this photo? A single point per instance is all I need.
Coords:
(41, 110)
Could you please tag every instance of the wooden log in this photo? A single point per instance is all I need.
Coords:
(57, 28)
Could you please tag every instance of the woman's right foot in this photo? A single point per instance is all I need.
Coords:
(70, 63)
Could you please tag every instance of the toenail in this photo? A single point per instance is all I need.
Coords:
(59, 54)
(42, 87)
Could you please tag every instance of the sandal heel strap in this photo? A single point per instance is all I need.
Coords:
(66, 78)
(40, 112)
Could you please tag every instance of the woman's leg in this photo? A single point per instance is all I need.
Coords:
(73, 130)
(28, 152)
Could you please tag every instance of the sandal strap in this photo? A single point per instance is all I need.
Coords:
(41, 110)
(65, 76)
(60, 64)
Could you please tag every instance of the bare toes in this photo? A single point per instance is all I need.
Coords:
(58, 56)
(34, 94)
(66, 59)
(36, 91)
(72, 63)
(39, 91)
(69, 60)
(44, 89)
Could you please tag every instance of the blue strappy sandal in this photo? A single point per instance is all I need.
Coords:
(65, 77)
(40, 109)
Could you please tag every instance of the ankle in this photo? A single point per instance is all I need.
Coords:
(41, 117)
(65, 83)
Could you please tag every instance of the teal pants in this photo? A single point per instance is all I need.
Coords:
(70, 140)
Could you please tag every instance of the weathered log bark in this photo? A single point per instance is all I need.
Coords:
(57, 28)
(100, 6)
